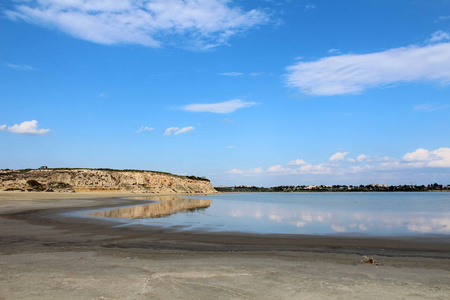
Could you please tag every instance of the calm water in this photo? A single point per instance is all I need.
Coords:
(361, 214)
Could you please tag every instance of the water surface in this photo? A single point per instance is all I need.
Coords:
(360, 214)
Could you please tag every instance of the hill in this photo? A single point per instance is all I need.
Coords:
(75, 180)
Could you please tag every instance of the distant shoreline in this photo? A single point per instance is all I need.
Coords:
(324, 191)
(337, 188)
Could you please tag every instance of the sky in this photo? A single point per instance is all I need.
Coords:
(265, 93)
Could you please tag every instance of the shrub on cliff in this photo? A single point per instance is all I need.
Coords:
(35, 186)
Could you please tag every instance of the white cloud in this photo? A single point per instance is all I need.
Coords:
(177, 130)
(418, 159)
(219, 108)
(354, 73)
(419, 155)
(171, 130)
(277, 169)
(254, 171)
(338, 156)
(296, 162)
(28, 128)
(310, 7)
(184, 130)
(439, 158)
(362, 158)
(188, 23)
(2, 127)
(231, 74)
(439, 36)
(21, 67)
(374, 166)
(256, 73)
(383, 159)
(235, 172)
(314, 169)
(145, 128)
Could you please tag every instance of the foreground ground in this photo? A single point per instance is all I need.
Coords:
(44, 255)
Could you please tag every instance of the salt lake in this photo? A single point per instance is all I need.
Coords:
(350, 214)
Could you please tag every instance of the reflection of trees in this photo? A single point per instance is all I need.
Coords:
(169, 206)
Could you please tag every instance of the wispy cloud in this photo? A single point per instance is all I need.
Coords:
(103, 95)
(184, 130)
(153, 23)
(362, 158)
(218, 108)
(309, 7)
(21, 67)
(27, 128)
(313, 169)
(442, 19)
(431, 107)
(254, 171)
(354, 73)
(177, 130)
(296, 162)
(338, 156)
(145, 128)
(334, 51)
(231, 74)
(278, 169)
(171, 130)
(439, 36)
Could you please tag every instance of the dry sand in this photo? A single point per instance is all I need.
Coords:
(44, 255)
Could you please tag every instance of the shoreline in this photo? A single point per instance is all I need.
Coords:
(37, 239)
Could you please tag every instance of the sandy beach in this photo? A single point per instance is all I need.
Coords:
(44, 255)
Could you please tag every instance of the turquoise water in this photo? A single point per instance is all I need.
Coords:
(359, 214)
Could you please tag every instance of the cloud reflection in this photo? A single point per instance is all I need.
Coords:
(340, 221)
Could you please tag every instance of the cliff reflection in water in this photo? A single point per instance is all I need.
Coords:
(168, 206)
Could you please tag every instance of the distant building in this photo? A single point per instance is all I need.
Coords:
(43, 168)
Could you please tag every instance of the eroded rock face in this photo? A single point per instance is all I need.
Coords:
(101, 180)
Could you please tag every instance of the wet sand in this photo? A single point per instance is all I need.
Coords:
(46, 255)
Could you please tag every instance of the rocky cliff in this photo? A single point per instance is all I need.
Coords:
(74, 180)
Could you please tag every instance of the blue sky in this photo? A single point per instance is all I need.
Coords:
(243, 92)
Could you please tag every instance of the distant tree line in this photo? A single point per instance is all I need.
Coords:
(337, 188)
